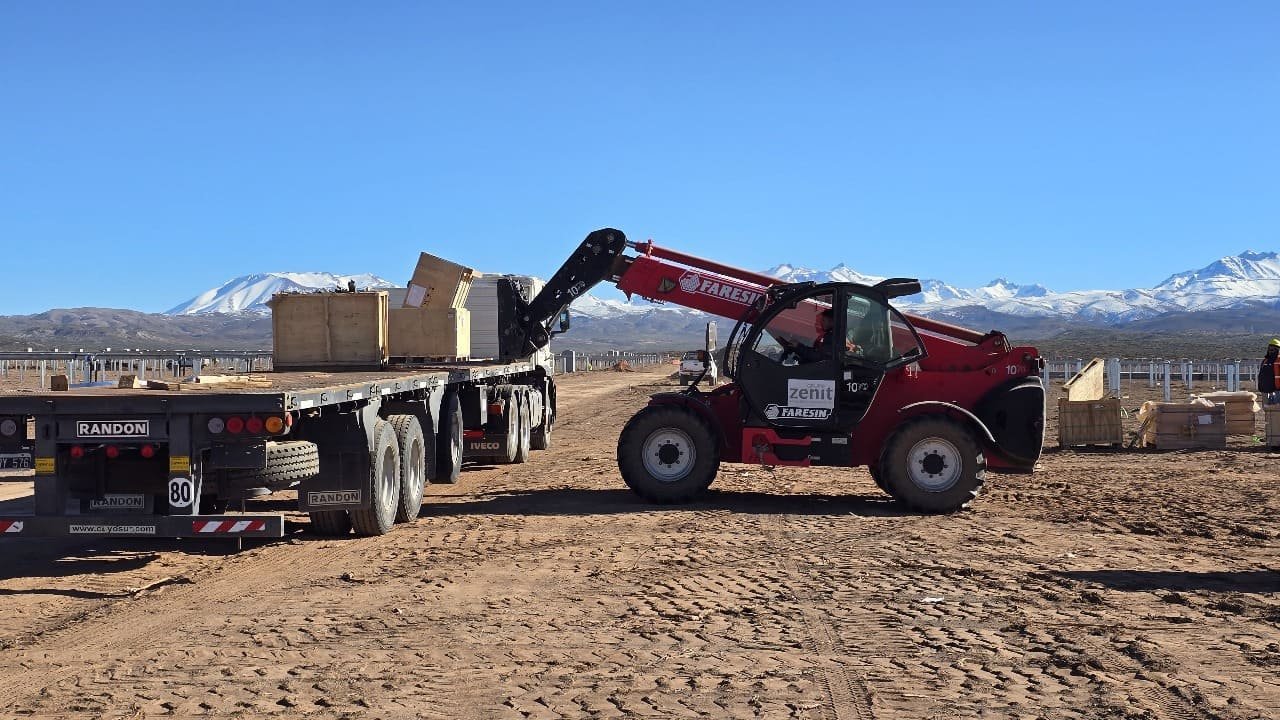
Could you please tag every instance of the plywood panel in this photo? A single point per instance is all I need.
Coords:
(1088, 383)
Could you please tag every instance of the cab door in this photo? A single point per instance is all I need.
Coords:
(799, 370)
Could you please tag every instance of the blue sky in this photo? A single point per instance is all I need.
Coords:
(149, 151)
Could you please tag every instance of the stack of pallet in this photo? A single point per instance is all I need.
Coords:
(1241, 408)
(1085, 417)
(1181, 426)
(433, 323)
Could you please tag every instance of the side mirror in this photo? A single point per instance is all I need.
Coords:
(562, 322)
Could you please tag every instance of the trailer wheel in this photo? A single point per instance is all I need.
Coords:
(288, 462)
(449, 441)
(511, 420)
(330, 522)
(668, 454)
(413, 465)
(541, 438)
(526, 433)
(384, 473)
(933, 465)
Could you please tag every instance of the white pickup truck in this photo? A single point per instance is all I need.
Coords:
(691, 367)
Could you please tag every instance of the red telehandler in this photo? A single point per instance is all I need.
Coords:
(823, 374)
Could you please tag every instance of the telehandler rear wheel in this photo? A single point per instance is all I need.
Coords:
(932, 464)
(668, 454)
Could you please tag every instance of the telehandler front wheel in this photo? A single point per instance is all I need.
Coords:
(668, 454)
(932, 464)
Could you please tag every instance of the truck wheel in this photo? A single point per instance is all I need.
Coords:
(541, 438)
(384, 474)
(933, 465)
(288, 462)
(413, 465)
(330, 522)
(526, 432)
(668, 454)
(449, 441)
(511, 427)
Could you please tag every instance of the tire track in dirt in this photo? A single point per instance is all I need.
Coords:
(847, 690)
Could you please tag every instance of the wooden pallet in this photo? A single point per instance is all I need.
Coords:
(429, 360)
(1090, 422)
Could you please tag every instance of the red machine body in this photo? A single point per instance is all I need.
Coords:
(823, 374)
(961, 368)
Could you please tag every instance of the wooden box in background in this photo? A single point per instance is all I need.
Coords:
(329, 330)
(423, 333)
(1272, 413)
(1180, 426)
(1242, 407)
(438, 284)
(1090, 422)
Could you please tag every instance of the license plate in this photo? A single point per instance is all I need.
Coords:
(15, 461)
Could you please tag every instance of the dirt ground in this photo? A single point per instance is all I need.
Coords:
(1105, 585)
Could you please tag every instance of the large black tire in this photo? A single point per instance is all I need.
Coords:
(932, 464)
(288, 462)
(384, 476)
(525, 435)
(541, 438)
(413, 465)
(876, 475)
(330, 522)
(668, 454)
(449, 441)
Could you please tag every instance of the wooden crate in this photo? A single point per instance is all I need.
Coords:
(329, 330)
(1242, 416)
(1272, 413)
(422, 333)
(1180, 426)
(1089, 422)
(438, 284)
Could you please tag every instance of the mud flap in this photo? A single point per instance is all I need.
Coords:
(1015, 415)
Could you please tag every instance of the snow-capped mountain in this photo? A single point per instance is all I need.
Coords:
(1248, 278)
(250, 293)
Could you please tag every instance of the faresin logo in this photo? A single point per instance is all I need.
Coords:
(694, 283)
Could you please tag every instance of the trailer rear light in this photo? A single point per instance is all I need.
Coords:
(253, 425)
(112, 452)
(216, 426)
(77, 452)
(274, 425)
(8, 427)
(235, 425)
(147, 451)
(472, 434)
(495, 408)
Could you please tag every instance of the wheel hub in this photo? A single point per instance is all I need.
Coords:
(668, 455)
(935, 464)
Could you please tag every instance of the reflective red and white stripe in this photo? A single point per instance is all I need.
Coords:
(229, 526)
(10, 526)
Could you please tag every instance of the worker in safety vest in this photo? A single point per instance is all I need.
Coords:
(1269, 373)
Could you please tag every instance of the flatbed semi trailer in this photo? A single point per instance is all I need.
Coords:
(357, 446)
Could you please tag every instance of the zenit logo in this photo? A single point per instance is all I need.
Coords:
(694, 283)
